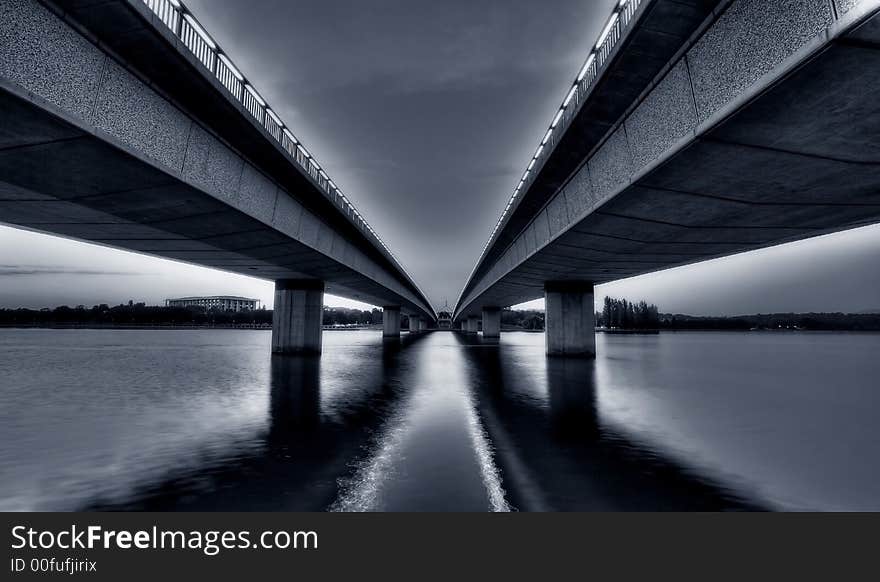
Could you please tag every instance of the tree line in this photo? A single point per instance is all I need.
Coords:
(141, 314)
(623, 314)
(615, 314)
(526, 319)
(775, 321)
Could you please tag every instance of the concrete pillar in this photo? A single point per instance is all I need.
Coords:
(569, 326)
(413, 324)
(297, 317)
(491, 322)
(391, 321)
(423, 325)
(473, 324)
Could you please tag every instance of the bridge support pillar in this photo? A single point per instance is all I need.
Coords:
(423, 325)
(491, 322)
(297, 317)
(473, 324)
(570, 326)
(413, 324)
(391, 321)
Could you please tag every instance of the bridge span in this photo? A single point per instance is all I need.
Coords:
(123, 123)
(696, 129)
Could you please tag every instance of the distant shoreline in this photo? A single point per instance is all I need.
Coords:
(168, 326)
(379, 327)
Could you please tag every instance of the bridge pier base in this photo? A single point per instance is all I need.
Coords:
(570, 326)
(491, 322)
(423, 325)
(391, 321)
(297, 317)
(473, 324)
(413, 324)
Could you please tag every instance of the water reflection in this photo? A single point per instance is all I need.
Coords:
(295, 401)
(557, 454)
(308, 447)
(208, 420)
(432, 453)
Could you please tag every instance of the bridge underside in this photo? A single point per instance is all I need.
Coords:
(113, 131)
(61, 179)
(785, 160)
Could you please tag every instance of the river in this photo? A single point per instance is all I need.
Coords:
(209, 420)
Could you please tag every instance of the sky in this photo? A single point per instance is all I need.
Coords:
(425, 114)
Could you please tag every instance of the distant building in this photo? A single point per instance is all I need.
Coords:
(444, 318)
(221, 302)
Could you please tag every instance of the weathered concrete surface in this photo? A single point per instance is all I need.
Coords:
(659, 29)
(570, 319)
(170, 167)
(722, 159)
(298, 316)
(391, 321)
(491, 322)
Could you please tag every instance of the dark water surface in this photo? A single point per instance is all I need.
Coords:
(208, 419)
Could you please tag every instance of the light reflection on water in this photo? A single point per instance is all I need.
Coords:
(208, 419)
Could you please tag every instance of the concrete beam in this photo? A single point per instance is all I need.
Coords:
(165, 159)
(297, 317)
(570, 327)
(491, 322)
(706, 164)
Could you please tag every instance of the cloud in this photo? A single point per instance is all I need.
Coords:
(42, 270)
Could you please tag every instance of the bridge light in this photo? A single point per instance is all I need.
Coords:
(290, 136)
(175, 3)
(607, 30)
(586, 67)
(531, 165)
(314, 163)
(569, 97)
(547, 136)
(332, 185)
(526, 175)
(274, 117)
(254, 94)
(200, 31)
(303, 151)
(232, 68)
(539, 151)
(557, 118)
(323, 174)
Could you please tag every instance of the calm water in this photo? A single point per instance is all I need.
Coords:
(201, 420)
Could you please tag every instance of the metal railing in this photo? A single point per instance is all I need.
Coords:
(177, 18)
(620, 19)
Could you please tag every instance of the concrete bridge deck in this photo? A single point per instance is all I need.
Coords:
(761, 128)
(122, 123)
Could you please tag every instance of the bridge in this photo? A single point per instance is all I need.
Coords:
(695, 129)
(123, 123)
